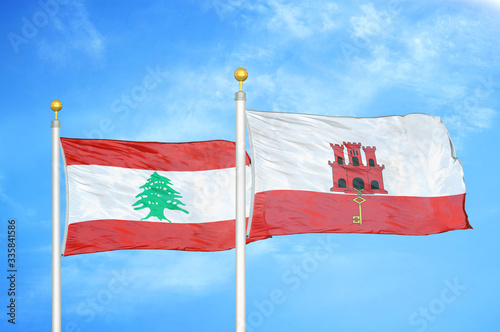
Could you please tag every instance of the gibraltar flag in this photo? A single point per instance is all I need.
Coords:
(138, 195)
(385, 175)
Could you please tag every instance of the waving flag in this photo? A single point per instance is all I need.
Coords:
(388, 175)
(138, 195)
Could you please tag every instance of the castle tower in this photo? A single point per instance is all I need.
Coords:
(353, 153)
(338, 150)
(338, 168)
(376, 181)
(371, 160)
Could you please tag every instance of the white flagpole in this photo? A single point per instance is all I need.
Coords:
(56, 220)
(240, 74)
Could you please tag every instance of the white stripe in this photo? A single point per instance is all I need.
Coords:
(107, 192)
(292, 151)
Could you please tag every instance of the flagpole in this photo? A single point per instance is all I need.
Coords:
(56, 220)
(240, 74)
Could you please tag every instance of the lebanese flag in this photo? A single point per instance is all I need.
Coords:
(385, 175)
(148, 195)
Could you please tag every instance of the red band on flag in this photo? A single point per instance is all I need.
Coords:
(192, 156)
(107, 235)
(281, 212)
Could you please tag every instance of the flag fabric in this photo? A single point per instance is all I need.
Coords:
(384, 175)
(149, 195)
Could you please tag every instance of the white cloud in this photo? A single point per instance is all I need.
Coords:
(301, 20)
(246, 52)
(468, 119)
(418, 56)
(481, 117)
(293, 18)
(464, 121)
(77, 35)
(422, 48)
(373, 22)
(494, 4)
(195, 104)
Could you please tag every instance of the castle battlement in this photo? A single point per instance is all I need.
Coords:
(337, 146)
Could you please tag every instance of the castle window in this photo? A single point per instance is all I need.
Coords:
(358, 183)
(340, 161)
(342, 183)
(374, 184)
(355, 161)
(371, 162)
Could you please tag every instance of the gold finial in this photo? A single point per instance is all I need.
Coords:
(241, 74)
(56, 106)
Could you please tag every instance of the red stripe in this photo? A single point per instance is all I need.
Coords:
(192, 156)
(107, 235)
(284, 212)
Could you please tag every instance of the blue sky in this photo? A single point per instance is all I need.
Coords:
(349, 58)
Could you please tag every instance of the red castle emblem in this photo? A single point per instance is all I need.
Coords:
(354, 175)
